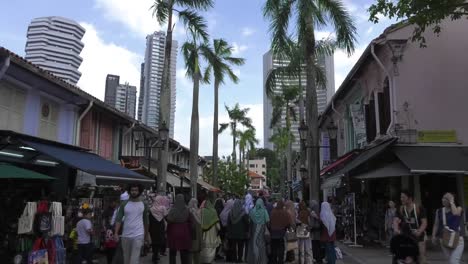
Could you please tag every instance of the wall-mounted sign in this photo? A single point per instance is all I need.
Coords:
(437, 136)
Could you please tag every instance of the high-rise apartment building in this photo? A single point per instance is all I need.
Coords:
(324, 94)
(142, 91)
(120, 96)
(152, 80)
(54, 44)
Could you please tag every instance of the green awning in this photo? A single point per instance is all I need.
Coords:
(12, 172)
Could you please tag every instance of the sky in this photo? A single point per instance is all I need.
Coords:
(115, 43)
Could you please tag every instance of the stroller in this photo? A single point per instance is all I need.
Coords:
(404, 250)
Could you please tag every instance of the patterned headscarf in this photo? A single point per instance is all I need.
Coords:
(158, 210)
(225, 213)
(237, 212)
(208, 215)
(259, 214)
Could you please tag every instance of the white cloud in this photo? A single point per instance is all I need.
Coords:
(320, 35)
(247, 31)
(101, 58)
(135, 15)
(344, 63)
(238, 49)
(237, 72)
(369, 31)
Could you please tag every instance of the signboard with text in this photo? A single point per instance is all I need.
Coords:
(437, 136)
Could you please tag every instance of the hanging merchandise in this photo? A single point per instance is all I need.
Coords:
(25, 222)
(37, 254)
(43, 218)
(58, 221)
(60, 251)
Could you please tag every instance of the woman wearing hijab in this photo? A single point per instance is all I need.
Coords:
(280, 221)
(224, 222)
(290, 208)
(315, 231)
(219, 207)
(157, 227)
(179, 227)
(304, 242)
(237, 232)
(197, 231)
(259, 219)
(248, 203)
(210, 227)
(328, 236)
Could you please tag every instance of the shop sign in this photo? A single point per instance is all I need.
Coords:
(437, 136)
(359, 123)
(131, 162)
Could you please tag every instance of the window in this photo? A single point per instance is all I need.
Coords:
(370, 121)
(263, 166)
(48, 116)
(12, 105)
(252, 165)
(263, 173)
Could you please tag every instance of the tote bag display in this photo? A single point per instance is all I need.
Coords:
(26, 221)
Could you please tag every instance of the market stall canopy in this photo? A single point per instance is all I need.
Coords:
(394, 169)
(434, 159)
(331, 182)
(8, 171)
(171, 178)
(208, 186)
(85, 161)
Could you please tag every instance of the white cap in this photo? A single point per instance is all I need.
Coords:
(124, 196)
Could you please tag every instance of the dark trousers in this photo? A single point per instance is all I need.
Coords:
(184, 256)
(277, 251)
(85, 252)
(110, 252)
(157, 251)
(317, 251)
(236, 250)
(331, 253)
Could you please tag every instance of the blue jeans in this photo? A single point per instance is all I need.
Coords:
(85, 252)
(331, 253)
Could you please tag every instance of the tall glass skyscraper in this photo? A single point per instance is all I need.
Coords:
(151, 78)
(54, 44)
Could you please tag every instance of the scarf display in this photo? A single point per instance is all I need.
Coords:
(194, 210)
(279, 217)
(237, 212)
(259, 214)
(157, 209)
(304, 213)
(248, 203)
(209, 215)
(179, 212)
(225, 213)
(327, 217)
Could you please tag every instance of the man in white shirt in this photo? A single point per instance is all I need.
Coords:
(135, 226)
(84, 229)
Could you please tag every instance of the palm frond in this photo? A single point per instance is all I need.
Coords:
(292, 112)
(234, 78)
(235, 61)
(342, 22)
(160, 11)
(196, 4)
(222, 127)
(320, 76)
(207, 75)
(195, 23)
(189, 52)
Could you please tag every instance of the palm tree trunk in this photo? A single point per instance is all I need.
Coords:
(312, 117)
(288, 153)
(234, 142)
(215, 134)
(240, 157)
(165, 106)
(301, 119)
(194, 138)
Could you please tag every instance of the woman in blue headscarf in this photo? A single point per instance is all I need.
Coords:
(257, 247)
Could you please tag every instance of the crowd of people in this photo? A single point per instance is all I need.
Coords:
(236, 229)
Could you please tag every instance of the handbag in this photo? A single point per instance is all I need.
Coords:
(339, 254)
(302, 231)
(292, 245)
(57, 226)
(291, 234)
(450, 237)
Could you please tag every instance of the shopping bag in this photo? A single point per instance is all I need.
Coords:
(26, 221)
(291, 235)
(43, 223)
(339, 254)
(292, 245)
(38, 257)
(58, 226)
(302, 231)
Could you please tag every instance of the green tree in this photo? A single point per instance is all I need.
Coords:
(194, 51)
(233, 180)
(272, 165)
(309, 15)
(238, 117)
(422, 13)
(163, 11)
(247, 141)
(221, 64)
(281, 139)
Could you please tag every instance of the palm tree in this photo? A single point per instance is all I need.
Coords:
(238, 117)
(247, 141)
(193, 51)
(163, 10)
(281, 139)
(310, 14)
(220, 64)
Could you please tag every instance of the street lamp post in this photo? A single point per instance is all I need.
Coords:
(303, 131)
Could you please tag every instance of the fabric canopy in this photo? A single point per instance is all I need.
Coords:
(12, 172)
(208, 186)
(174, 180)
(85, 161)
(433, 159)
(394, 169)
(331, 182)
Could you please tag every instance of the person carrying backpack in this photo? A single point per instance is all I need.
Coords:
(135, 226)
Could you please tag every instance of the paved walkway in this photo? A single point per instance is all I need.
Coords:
(382, 255)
